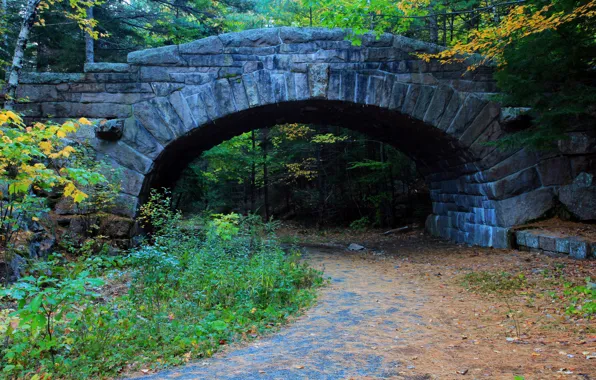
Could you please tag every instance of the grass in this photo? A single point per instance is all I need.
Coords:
(182, 297)
(494, 282)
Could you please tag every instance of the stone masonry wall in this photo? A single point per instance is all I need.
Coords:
(167, 101)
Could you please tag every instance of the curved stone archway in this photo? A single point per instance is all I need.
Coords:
(168, 104)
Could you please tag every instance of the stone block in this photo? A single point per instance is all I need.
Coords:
(38, 93)
(555, 171)
(318, 80)
(471, 107)
(580, 197)
(524, 207)
(264, 87)
(301, 35)
(124, 155)
(209, 45)
(107, 67)
(126, 205)
(110, 130)
(224, 98)
(252, 38)
(423, 102)
(520, 238)
(578, 248)
(166, 55)
(138, 138)
(50, 78)
(486, 116)
(436, 108)
(148, 115)
(451, 110)
(562, 245)
(548, 243)
(181, 107)
(513, 185)
(532, 240)
(411, 99)
(123, 88)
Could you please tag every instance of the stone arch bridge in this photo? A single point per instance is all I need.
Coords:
(168, 104)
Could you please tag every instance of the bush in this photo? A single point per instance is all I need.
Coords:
(188, 294)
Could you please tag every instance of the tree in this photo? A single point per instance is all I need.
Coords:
(77, 12)
(34, 161)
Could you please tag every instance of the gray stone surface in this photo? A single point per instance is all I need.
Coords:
(110, 130)
(544, 241)
(524, 207)
(580, 197)
(166, 102)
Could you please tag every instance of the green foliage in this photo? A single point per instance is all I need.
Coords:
(185, 296)
(582, 299)
(322, 172)
(552, 72)
(34, 161)
(47, 309)
(360, 224)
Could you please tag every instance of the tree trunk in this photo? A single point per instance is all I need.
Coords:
(19, 53)
(265, 173)
(253, 174)
(433, 26)
(4, 14)
(89, 51)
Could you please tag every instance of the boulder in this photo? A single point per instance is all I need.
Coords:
(116, 227)
(12, 269)
(580, 197)
(41, 245)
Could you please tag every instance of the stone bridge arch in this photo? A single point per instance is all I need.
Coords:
(168, 104)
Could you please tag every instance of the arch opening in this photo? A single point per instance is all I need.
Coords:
(434, 151)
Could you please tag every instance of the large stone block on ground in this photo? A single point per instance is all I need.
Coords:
(580, 197)
(524, 207)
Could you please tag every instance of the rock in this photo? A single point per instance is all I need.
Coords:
(580, 197)
(555, 171)
(578, 248)
(12, 270)
(515, 118)
(110, 130)
(355, 247)
(65, 206)
(41, 246)
(116, 227)
(524, 207)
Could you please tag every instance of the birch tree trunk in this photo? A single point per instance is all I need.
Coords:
(19, 52)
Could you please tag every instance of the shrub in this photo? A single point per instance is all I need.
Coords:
(189, 293)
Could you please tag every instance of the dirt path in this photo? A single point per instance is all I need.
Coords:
(397, 316)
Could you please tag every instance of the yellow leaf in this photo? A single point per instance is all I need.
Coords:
(84, 121)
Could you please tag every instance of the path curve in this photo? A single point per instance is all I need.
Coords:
(356, 330)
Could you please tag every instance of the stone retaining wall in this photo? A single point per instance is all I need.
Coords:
(543, 241)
